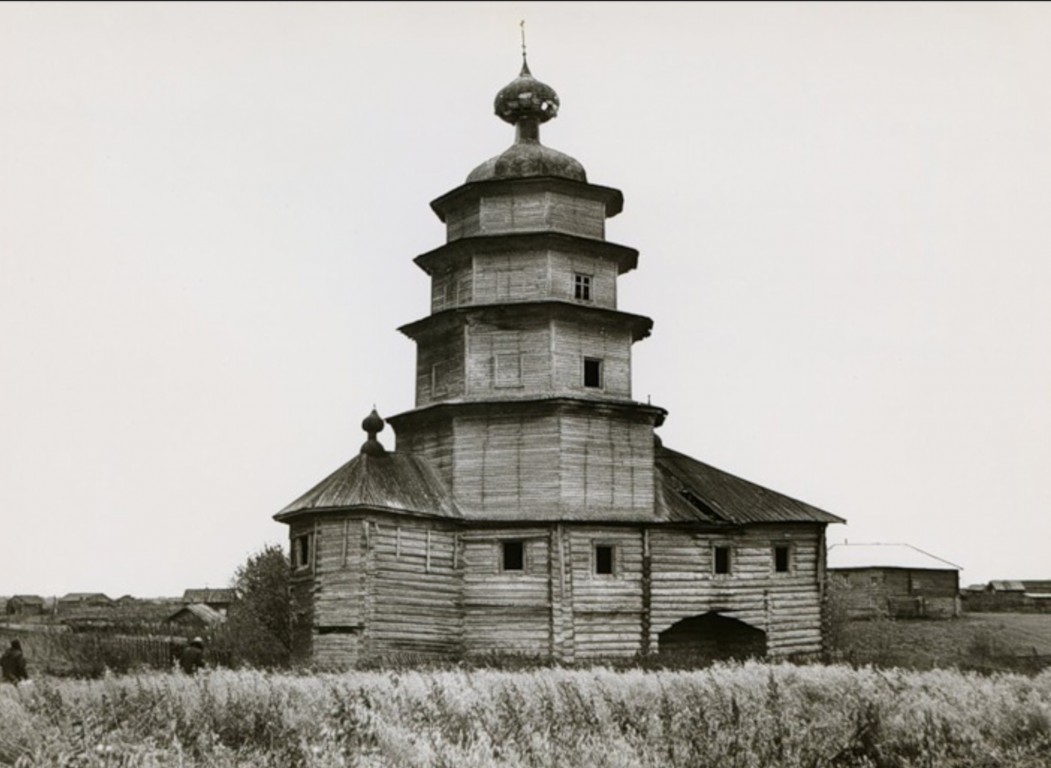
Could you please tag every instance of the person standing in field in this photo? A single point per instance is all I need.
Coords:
(192, 657)
(13, 664)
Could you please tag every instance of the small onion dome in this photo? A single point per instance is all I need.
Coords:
(526, 97)
(373, 424)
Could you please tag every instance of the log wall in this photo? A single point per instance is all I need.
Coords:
(383, 586)
(415, 582)
(507, 611)
(787, 606)
(607, 609)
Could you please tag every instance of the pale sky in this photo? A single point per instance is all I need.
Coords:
(208, 215)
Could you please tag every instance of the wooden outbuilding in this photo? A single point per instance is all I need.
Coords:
(895, 580)
(528, 506)
(1008, 595)
(75, 602)
(217, 599)
(25, 605)
(195, 616)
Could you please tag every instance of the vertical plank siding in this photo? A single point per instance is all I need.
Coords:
(506, 464)
(527, 342)
(439, 368)
(565, 266)
(606, 466)
(573, 342)
(531, 275)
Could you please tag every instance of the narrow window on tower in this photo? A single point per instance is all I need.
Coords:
(582, 287)
(301, 550)
(592, 372)
(722, 560)
(604, 559)
(782, 559)
(513, 556)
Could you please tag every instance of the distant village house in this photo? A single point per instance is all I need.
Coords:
(894, 580)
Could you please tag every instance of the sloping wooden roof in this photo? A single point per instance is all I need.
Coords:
(80, 597)
(394, 482)
(28, 599)
(690, 491)
(209, 595)
(885, 556)
(206, 615)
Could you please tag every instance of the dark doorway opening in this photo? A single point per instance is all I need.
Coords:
(711, 637)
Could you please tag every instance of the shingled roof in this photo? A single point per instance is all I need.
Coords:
(394, 482)
(690, 491)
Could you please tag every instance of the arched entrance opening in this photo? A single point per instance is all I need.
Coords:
(711, 637)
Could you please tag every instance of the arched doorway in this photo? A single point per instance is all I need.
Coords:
(711, 637)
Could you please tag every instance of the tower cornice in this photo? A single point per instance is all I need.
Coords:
(612, 199)
(588, 405)
(639, 325)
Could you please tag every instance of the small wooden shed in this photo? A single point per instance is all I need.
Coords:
(195, 616)
(896, 580)
(25, 605)
(217, 599)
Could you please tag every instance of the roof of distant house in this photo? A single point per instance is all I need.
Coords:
(81, 596)
(203, 612)
(209, 595)
(885, 556)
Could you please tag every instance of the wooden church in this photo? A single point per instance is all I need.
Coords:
(528, 506)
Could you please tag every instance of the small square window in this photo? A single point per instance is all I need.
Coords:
(722, 559)
(513, 556)
(592, 372)
(582, 287)
(603, 559)
(782, 560)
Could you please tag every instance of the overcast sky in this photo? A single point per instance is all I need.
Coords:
(208, 215)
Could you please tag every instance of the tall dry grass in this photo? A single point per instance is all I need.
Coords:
(740, 716)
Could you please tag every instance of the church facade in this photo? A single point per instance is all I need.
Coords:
(528, 506)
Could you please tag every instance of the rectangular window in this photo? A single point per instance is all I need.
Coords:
(582, 287)
(592, 372)
(782, 562)
(604, 559)
(513, 558)
(438, 380)
(508, 370)
(302, 547)
(722, 559)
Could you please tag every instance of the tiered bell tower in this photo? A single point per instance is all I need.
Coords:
(523, 366)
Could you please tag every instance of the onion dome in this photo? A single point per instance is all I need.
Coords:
(526, 102)
(373, 424)
(525, 97)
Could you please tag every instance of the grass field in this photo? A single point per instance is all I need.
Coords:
(1019, 641)
(743, 716)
